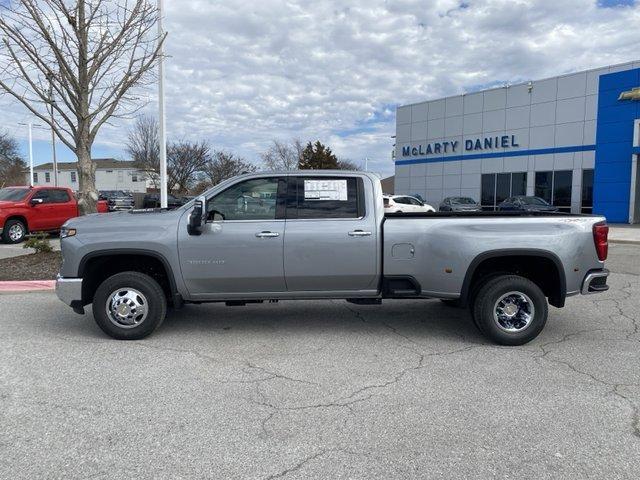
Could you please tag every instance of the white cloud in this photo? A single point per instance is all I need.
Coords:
(241, 73)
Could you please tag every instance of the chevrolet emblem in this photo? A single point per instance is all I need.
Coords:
(633, 94)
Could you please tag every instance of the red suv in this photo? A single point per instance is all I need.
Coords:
(36, 209)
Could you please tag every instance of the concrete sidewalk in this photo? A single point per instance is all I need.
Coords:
(624, 233)
(10, 251)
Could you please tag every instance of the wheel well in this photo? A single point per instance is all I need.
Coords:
(544, 271)
(97, 269)
(21, 218)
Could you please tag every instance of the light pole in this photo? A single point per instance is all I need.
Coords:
(53, 133)
(162, 121)
(30, 125)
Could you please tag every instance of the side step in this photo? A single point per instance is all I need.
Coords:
(365, 301)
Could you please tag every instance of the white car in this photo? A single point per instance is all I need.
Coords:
(405, 204)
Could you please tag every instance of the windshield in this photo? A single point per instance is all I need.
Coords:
(462, 201)
(533, 201)
(13, 194)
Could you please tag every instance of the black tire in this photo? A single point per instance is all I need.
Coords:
(451, 302)
(152, 296)
(535, 303)
(13, 223)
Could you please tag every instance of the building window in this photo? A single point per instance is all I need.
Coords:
(587, 191)
(497, 187)
(74, 178)
(35, 177)
(555, 188)
(47, 177)
(134, 177)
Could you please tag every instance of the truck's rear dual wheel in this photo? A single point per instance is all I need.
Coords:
(510, 310)
(129, 306)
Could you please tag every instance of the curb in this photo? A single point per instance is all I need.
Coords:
(625, 242)
(27, 286)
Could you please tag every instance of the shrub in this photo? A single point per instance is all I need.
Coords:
(39, 242)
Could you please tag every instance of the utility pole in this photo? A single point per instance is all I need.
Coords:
(53, 133)
(162, 121)
(30, 125)
(366, 164)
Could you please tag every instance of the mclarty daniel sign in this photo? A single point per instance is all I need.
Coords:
(469, 145)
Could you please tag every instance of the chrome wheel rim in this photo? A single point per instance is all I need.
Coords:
(16, 232)
(513, 312)
(127, 307)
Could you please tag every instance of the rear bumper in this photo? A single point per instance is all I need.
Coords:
(595, 282)
(69, 290)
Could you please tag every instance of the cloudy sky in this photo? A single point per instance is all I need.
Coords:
(241, 73)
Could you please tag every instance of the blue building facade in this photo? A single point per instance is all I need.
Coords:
(573, 140)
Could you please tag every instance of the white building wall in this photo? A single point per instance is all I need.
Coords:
(106, 179)
(549, 113)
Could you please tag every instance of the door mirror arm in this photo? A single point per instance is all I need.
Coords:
(197, 216)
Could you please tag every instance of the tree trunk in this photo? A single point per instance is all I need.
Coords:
(88, 197)
(88, 201)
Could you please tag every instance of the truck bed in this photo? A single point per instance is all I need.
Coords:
(483, 214)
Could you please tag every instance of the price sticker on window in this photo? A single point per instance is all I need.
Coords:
(335, 190)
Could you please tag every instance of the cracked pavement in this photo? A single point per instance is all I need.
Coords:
(333, 390)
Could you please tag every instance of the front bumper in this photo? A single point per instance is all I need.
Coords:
(69, 290)
(595, 282)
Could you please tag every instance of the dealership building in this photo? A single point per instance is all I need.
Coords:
(573, 140)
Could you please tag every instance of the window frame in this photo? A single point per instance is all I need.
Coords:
(294, 182)
(281, 198)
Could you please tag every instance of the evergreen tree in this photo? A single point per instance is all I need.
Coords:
(317, 156)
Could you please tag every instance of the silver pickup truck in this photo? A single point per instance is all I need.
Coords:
(325, 235)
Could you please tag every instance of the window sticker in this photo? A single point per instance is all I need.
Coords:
(325, 190)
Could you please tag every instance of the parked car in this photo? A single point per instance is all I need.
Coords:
(405, 204)
(329, 237)
(118, 199)
(152, 200)
(36, 209)
(459, 204)
(526, 204)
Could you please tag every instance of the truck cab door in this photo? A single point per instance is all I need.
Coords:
(239, 251)
(331, 241)
(40, 211)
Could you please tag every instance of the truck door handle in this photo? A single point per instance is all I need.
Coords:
(267, 234)
(359, 233)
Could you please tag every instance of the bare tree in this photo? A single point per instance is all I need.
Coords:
(346, 164)
(185, 160)
(223, 165)
(12, 166)
(143, 146)
(283, 156)
(75, 64)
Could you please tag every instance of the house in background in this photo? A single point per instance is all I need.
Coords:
(111, 174)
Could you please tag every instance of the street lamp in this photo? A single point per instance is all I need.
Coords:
(52, 102)
(30, 125)
(161, 113)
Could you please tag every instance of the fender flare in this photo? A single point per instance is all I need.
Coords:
(513, 252)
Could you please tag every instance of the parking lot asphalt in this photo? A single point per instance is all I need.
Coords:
(332, 390)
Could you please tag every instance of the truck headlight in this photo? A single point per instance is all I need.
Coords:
(67, 232)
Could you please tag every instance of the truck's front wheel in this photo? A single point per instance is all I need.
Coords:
(510, 310)
(129, 305)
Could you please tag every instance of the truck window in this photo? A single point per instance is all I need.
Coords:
(43, 195)
(58, 196)
(328, 197)
(254, 199)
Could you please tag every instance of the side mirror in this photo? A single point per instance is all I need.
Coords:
(197, 217)
(36, 201)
